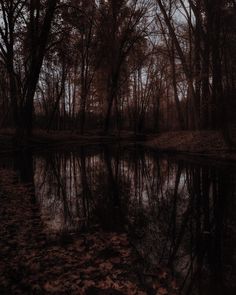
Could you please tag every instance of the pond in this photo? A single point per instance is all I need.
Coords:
(179, 213)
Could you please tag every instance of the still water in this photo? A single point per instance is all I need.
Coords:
(179, 214)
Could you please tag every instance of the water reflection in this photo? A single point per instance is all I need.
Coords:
(178, 214)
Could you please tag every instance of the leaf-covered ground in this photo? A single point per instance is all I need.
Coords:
(210, 144)
(34, 262)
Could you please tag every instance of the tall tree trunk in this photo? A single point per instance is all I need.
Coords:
(176, 96)
(187, 70)
(36, 61)
(112, 92)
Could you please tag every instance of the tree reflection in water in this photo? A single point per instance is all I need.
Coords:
(178, 214)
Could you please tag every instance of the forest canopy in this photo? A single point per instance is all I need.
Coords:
(139, 65)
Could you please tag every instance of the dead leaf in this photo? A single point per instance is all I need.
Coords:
(162, 291)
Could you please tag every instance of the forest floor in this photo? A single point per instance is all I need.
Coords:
(209, 144)
(33, 261)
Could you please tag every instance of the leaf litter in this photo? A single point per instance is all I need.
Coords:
(35, 262)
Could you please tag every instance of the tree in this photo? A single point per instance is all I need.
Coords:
(122, 28)
(31, 20)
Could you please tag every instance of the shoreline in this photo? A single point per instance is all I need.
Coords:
(204, 144)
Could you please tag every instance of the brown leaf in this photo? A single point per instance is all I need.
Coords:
(106, 266)
(162, 291)
(88, 283)
(52, 287)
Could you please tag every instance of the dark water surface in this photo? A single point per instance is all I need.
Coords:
(179, 214)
